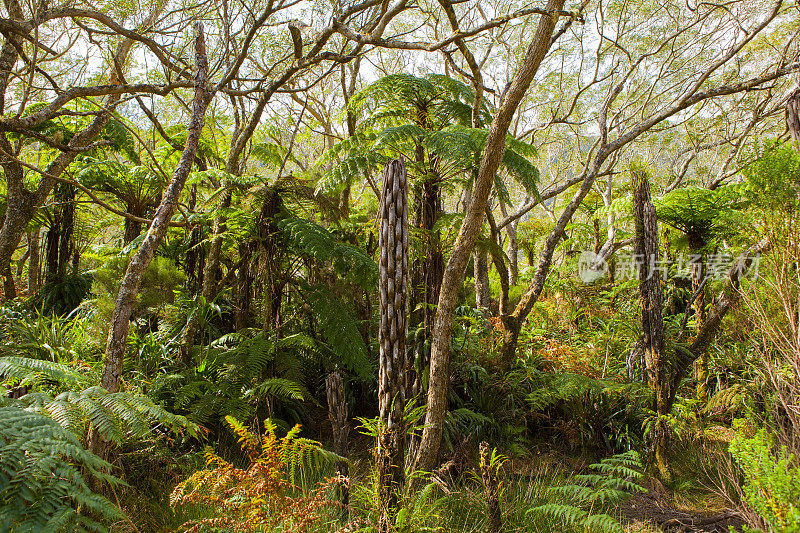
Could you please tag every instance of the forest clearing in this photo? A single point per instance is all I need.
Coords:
(400, 266)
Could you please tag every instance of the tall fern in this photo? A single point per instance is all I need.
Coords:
(402, 113)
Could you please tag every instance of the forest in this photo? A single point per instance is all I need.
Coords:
(400, 266)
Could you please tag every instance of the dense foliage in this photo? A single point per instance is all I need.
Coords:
(213, 215)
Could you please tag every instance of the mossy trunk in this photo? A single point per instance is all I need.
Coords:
(651, 297)
(59, 241)
(698, 269)
(33, 261)
(339, 417)
(483, 300)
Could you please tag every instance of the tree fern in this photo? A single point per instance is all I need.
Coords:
(232, 377)
(279, 388)
(25, 371)
(83, 404)
(116, 416)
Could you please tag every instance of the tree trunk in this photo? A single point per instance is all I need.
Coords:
(340, 424)
(271, 249)
(215, 248)
(120, 320)
(513, 251)
(454, 272)
(9, 287)
(651, 296)
(33, 262)
(698, 269)
(483, 295)
(66, 244)
(244, 286)
(192, 266)
(393, 288)
(132, 228)
(427, 283)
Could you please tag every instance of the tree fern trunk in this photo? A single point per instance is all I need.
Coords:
(393, 288)
(132, 228)
(244, 286)
(340, 424)
(698, 269)
(268, 232)
(426, 279)
(193, 253)
(481, 277)
(58, 243)
(650, 293)
(66, 243)
(33, 262)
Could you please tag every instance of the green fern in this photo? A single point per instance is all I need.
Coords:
(24, 371)
(232, 377)
(42, 485)
(82, 404)
(282, 389)
(314, 241)
(118, 416)
(616, 479)
(340, 330)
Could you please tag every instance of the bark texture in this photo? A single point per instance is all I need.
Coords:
(651, 296)
(698, 269)
(483, 298)
(439, 382)
(339, 417)
(793, 116)
(33, 261)
(120, 320)
(393, 289)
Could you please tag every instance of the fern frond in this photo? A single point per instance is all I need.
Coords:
(563, 514)
(282, 389)
(340, 329)
(41, 477)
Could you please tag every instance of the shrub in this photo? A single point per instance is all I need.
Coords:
(264, 496)
(772, 480)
